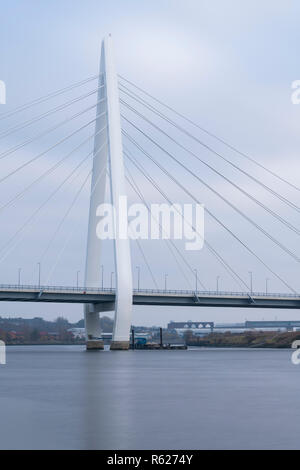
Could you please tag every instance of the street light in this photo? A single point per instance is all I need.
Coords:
(196, 274)
(19, 277)
(166, 277)
(77, 279)
(218, 278)
(39, 265)
(251, 281)
(111, 280)
(102, 276)
(267, 281)
(139, 276)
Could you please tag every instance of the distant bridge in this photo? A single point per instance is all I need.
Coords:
(106, 297)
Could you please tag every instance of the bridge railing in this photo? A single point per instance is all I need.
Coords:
(41, 288)
(94, 290)
(214, 293)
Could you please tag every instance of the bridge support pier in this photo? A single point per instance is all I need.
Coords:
(94, 345)
(93, 329)
(119, 345)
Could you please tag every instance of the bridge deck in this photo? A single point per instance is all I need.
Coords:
(10, 293)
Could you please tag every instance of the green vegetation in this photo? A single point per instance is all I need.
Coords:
(251, 339)
(16, 331)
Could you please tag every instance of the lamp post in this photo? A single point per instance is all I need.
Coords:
(251, 282)
(166, 278)
(19, 277)
(267, 282)
(139, 276)
(102, 276)
(111, 280)
(77, 279)
(39, 266)
(196, 279)
(218, 278)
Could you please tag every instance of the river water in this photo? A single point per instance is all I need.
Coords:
(60, 397)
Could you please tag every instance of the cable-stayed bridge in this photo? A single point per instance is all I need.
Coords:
(130, 129)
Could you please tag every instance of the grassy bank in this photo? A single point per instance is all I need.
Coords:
(251, 339)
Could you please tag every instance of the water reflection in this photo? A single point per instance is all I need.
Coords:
(65, 398)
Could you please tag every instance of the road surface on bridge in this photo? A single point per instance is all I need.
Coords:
(10, 293)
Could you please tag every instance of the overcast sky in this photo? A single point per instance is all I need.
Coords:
(228, 65)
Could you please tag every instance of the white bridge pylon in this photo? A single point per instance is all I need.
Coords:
(108, 154)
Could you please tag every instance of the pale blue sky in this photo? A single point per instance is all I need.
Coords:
(227, 64)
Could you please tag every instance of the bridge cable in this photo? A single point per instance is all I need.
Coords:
(225, 265)
(47, 97)
(71, 231)
(139, 245)
(49, 171)
(70, 207)
(239, 188)
(141, 249)
(190, 121)
(253, 178)
(219, 258)
(47, 131)
(135, 188)
(131, 183)
(147, 264)
(170, 243)
(39, 117)
(17, 242)
(16, 170)
(31, 218)
(248, 249)
(251, 221)
(211, 214)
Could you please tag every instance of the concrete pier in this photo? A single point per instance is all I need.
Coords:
(94, 345)
(119, 345)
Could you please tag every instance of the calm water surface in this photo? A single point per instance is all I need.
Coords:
(60, 397)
